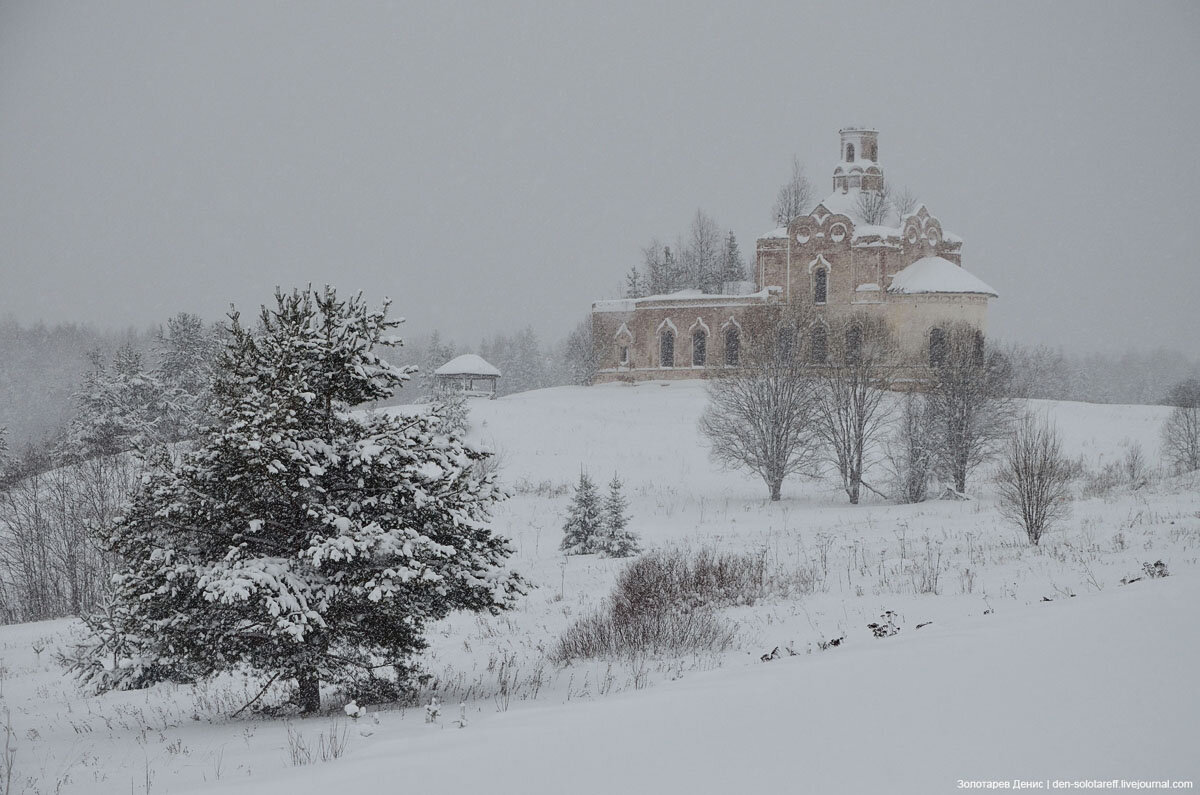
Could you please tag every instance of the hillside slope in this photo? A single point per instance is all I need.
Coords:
(1038, 662)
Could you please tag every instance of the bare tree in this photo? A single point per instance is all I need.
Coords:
(761, 417)
(968, 398)
(702, 254)
(910, 451)
(795, 197)
(50, 563)
(655, 281)
(873, 206)
(1034, 478)
(1181, 431)
(852, 405)
(904, 202)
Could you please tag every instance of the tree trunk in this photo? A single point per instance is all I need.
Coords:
(775, 487)
(309, 694)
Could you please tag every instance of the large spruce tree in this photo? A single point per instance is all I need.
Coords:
(299, 539)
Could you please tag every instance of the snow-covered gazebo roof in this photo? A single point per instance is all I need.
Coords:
(937, 275)
(467, 365)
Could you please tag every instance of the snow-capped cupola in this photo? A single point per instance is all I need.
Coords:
(858, 163)
(937, 275)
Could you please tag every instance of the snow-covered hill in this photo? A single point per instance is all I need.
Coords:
(1094, 683)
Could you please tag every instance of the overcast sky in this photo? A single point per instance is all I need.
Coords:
(492, 164)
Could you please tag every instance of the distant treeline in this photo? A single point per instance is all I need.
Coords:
(1141, 377)
(43, 367)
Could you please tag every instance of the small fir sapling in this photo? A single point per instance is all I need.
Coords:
(618, 541)
(584, 528)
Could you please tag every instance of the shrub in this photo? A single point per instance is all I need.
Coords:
(624, 633)
(665, 602)
(1034, 478)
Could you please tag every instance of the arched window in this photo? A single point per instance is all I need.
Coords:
(820, 285)
(624, 355)
(853, 345)
(849, 153)
(666, 348)
(937, 347)
(733, 345)
(818, 347)
(699, 348)
(979, 349)
(869, 152)
(787, 343)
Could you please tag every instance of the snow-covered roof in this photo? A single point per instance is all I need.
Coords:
(467, 364)
(937, 275)
(780, 231)
(870, 230)
(844, 203)
(688, 297)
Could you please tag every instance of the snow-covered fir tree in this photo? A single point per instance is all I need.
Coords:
(578, 356)
(118, 407)
(450, 404)
(584, 528)
(187, 349)
(617, 540)
(526, 365)
(732, 269)
(299, 539)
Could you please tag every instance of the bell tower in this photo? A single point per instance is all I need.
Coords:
(858, 161)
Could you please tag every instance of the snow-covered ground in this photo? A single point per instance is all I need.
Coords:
(1096, 683)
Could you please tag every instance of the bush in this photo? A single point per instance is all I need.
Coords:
(665, 602)
(692, 579)
(624, 633)
(1034, 478)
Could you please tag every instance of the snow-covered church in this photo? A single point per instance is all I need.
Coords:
(909, 273)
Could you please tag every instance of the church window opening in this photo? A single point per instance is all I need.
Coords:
(733, 344)
(699, 348)
(820, 285)
(666, 349)
(853, 345)
(624, 356)
(818, 345)
(937, 347)
(786, 344)
(849, 153)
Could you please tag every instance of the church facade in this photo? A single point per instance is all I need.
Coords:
(906, 269)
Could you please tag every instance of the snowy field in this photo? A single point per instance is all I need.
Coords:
(1032, 663)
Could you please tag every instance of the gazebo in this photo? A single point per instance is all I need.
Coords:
(470, 374)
